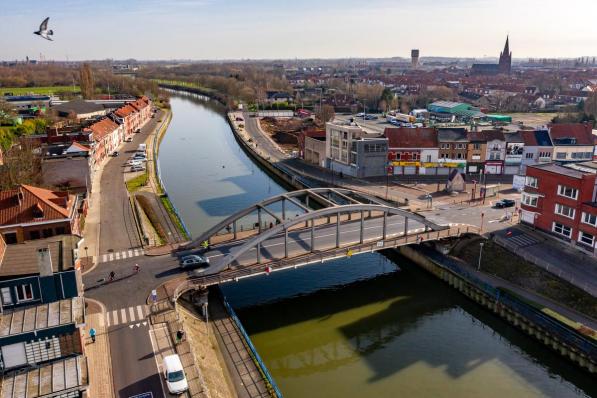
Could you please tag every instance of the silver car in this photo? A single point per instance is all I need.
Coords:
(194, 261)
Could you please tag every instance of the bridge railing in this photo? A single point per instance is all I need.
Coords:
(237, 272)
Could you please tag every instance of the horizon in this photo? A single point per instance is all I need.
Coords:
(152, 31)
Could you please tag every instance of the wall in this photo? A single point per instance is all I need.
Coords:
(315, 151)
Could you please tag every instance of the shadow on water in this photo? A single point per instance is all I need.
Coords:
(413, 302)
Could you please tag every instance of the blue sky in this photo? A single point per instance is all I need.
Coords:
(232, 29)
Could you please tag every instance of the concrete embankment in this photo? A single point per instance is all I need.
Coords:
(569, 343)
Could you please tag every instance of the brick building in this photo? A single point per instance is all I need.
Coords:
(562, 200)
(413, 150)
(31, 213)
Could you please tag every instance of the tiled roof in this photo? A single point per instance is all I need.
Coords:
(125, 111)
(402, 137)
(536, 138)
(486, 135)
(514, 137)
(452, 135)
(139, 104)
(76, 147)
(102, 128)
(571, 134)
(18, 206)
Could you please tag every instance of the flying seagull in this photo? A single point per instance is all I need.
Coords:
(44, 31)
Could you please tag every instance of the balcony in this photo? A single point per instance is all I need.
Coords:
(544, 159)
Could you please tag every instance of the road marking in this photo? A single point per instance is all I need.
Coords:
(140, 312)
(111, 257)
(117, 254)
(104, 258)
(123, 254)
(132, 314)
(155, 357)
(131, 326)
(136, 252)
(115, 316)
(123, 315)
(130, 253)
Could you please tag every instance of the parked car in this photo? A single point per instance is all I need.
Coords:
(370, 117)
(174, 375)
(137, 168)
(134, 162)
(128, 139)
(115, 153)
(502, 204)
(194, 261)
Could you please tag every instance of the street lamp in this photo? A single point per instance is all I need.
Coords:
(480, 255)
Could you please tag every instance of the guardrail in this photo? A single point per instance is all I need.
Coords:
(274, 390)
(240, 272)
(567, 335)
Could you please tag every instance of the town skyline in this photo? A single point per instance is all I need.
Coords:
(209, 30)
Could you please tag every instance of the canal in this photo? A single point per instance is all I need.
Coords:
(365, 326)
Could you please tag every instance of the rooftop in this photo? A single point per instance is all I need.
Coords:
(562, 170)
(79, 107)
(536, 138)
(27, 204)
(21, 259)
(64, 377)
(571, 134)
(402, 137)
(43, 316)
(452, 135)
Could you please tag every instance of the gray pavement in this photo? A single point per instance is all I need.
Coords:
(117, 224)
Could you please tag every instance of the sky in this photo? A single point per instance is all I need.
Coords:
(284, 29)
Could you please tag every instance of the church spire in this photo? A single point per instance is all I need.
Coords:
(507, 46)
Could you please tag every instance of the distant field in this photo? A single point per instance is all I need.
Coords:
(37, 90)
(532, 119)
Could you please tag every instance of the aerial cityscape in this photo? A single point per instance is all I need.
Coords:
(319, 199)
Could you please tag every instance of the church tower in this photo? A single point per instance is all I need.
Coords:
(505, 65)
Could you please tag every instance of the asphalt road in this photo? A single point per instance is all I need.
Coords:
(117, 225)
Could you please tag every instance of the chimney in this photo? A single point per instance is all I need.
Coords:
(44, 261)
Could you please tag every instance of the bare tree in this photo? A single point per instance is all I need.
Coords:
(326, 113)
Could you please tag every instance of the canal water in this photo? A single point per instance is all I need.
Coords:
(368, 326)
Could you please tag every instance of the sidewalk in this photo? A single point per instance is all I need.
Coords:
(91, 232)
(554, 256)
(98, 353)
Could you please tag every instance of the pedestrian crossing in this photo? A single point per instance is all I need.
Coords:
(121, 255)
(129, 315)
(523, 240)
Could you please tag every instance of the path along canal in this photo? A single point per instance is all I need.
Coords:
(367, 326)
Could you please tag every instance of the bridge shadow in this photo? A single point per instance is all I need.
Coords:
(389, 337)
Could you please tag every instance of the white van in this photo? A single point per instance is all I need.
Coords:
(174, 375)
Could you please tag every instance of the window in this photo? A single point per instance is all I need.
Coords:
(568, 192)
(565, 210)
(34, 235)
(428, 158)
(477, 146)
(529, 200)
(531, 182)
(24, 293)
(459, 155)
(588, 155)
(544, 154)
(589, 218)
(586, 238)
(10, 238)
(6, 296)
(460, 146)
(529, 155)
(561, 155)
(562, 229)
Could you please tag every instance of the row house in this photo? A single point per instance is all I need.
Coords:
(514, 153)
(42, 312)
(537, 148)
(562, 200)
(31, 213)
(133, 115)
(106, 136)
(412, 150)
(452, 149)
(486, 152)
(572, 142)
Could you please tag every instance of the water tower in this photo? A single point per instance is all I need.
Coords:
(414, 58)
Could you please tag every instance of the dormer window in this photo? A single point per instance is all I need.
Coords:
(38, 212)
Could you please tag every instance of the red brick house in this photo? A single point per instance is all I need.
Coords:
(106, 136)
(133, 115)
(30, 213)
(562, 200)
(413, 150)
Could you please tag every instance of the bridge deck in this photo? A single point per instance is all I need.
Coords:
(174, 288)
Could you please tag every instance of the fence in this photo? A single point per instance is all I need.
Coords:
(158, 173)
(256, 358)
(563, 332)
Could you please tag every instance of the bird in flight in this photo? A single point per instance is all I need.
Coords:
(44, 31)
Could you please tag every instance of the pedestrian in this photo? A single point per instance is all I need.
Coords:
(112, 276)
(179, 336)
(136, 268)
(92, 334)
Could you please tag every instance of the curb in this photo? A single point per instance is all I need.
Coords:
(103, 312)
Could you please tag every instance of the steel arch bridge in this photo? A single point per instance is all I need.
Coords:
(322, 208)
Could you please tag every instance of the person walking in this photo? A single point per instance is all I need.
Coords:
(92, 334)
(179, 336)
